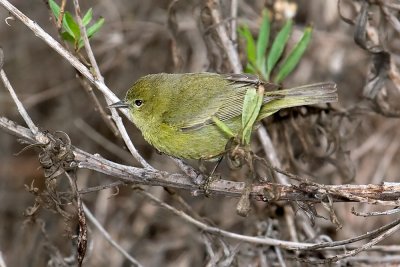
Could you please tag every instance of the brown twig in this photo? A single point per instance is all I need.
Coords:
(108, 237)
(109, 95)
(229, 48)
(97, 75)
(82, 230)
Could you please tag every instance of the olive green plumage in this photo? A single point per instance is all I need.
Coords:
(174, 111)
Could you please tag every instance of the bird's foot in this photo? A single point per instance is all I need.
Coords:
(207, 183)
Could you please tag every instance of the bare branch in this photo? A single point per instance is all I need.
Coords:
(110, 96)
(233, 57)
(108, 237)
(99, 77)
(383, 194)
(20, 107)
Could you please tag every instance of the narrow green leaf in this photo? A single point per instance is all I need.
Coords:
(223, 127)
(263, 38)
(251, 107)
(88, 17)
(67, 37)
(95, 27)
(262, 70)
(54, 8)
(71, 26)
(278, 46)
(250, 69)
(294, 56)
(80, 44)
(244, 31)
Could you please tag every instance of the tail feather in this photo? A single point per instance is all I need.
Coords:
(298, 96)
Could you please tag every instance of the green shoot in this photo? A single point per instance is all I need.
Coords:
(70, 31)
(263, 60)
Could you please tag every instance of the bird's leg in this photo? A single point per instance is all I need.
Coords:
(211, 177)
(230, 146)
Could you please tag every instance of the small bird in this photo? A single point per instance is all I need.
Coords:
(176, 112)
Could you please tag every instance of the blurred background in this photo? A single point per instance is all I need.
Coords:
(136, 40)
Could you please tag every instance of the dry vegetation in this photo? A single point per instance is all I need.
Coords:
(160, 216)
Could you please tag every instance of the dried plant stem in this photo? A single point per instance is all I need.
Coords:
(20, 107)
(108, 237)
(109, 95)
(214, 230)
(222, 33)
(385, 194)
(117, 119)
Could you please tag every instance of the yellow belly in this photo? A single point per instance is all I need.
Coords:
(204, 143)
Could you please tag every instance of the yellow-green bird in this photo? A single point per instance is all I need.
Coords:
(175, 112)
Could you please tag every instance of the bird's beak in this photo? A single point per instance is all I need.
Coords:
(119, 104)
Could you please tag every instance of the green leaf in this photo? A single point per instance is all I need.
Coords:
(223, 127)
(262, 69)
(278, 46)
(263, 38)
(71, 26)
(244, 31)
(67, 37)
(294, 56)
(251, 107)
(95, 27)
(88, 17)
(54, 8)
(80, 44)
(250, 69)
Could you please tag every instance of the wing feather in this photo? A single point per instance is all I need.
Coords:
(220, 96)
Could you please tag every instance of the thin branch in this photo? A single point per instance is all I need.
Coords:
(100, 187)
(214, 230)
(382, 260)
(39, 32)
(109, 95)
(86, 42)
(220, 28)
(269, 150)
(108, 237)
(20, 107)
(197, 178)
(375, 213)
(99, 77)
(234, 11)
(369, 234)
(361, 248)
(383, 194)
(82, 232)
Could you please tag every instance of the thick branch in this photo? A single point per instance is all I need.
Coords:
(382, 194)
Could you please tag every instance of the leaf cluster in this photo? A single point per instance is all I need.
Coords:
(70, 28)
(263, 59)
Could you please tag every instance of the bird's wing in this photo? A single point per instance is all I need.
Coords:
(233, 105)
(221, 96)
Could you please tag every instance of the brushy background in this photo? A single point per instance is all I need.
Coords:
(135, 41)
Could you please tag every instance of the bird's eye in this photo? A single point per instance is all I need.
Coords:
(138, 102)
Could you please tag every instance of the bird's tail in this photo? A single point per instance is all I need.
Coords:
(298, 96)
